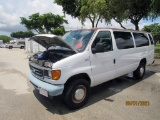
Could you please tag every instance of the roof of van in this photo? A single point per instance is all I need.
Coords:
(112, 29)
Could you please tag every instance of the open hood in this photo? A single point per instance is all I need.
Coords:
(48, 40)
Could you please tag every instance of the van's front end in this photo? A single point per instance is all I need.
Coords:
(42, 76)
(63, 58)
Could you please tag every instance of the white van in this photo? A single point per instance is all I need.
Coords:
(85, 58)
(16, 44)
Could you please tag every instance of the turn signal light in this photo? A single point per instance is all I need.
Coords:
(56, 74)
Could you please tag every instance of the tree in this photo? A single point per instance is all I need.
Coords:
(156, 8)
(139, 9)
(133, 10)
(117, 10)
(58, 31)
(155, 30)
(71, 7)
(43, 23)
(22, 34)
(33, 23)
(85, 9)
(93, 10)
(51, 21)
(5, 38)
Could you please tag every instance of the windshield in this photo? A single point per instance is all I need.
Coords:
(78, 39)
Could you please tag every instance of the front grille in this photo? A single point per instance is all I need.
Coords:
(37, 72)
(45, 73)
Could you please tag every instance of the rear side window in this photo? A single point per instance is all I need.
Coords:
(151, 39)
(141, 39)
(124, 40)
(21, 42)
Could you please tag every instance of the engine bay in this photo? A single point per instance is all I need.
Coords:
(47, 58)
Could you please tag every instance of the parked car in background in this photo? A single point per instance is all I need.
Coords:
(85, 58)
(16, 44)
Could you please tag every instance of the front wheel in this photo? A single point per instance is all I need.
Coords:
(140, 71)
(10, 47)
(77, 93)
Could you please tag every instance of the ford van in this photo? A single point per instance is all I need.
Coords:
(84, 58)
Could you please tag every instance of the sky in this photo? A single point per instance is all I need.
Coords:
(12, 10)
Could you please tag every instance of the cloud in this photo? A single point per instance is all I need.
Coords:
(11, 11)
(6, 18)
(2, 25)
(43, 6)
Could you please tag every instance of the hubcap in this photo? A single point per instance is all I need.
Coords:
(79, 94)
(141, 71)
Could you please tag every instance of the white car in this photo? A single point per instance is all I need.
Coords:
(85, 58)
(16, 44)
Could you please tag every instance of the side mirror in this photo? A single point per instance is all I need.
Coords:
(98, 49)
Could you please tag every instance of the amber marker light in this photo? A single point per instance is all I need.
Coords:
(56, 74)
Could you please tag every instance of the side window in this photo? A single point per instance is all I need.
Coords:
(105, 38)
(141, 39)
(124, 40)
(12, 42)
(151, 39)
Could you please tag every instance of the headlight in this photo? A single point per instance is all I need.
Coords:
(56, 74)
(48, 64)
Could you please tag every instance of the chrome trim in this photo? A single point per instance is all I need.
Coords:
(44, 78)
(39, 67)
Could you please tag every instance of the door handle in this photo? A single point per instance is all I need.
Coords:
(114, 61)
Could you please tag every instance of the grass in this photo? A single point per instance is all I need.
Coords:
(157, 51)
(157, 55)
(157, 46)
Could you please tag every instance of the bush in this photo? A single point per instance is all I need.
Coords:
(5, 38)
(157, 50)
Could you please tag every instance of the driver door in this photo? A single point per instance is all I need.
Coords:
(103, 63)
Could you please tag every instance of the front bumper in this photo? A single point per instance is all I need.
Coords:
(52, 90)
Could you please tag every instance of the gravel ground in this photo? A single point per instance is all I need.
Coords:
(19, 100)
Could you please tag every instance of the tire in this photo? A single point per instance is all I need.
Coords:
(10, 47)
(77, 93)
(140, 71)
(22, 47)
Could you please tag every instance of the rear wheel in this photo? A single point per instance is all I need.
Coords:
(22, 47)
(140, 71)
(77, 93)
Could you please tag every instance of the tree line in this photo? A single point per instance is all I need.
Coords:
(155, 30)
(119, 10)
